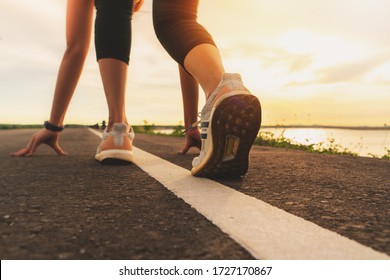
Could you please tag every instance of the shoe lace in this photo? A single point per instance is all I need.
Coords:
(195, 124)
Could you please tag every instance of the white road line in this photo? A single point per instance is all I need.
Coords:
(265, 231)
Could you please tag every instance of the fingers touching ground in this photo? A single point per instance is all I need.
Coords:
(192, 140)
(43, 136)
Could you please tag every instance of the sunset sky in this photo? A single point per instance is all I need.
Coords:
(309, 62)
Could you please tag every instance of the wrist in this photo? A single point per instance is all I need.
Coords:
(191, 127)
(52, 127)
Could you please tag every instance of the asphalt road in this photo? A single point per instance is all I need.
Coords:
(73, 207)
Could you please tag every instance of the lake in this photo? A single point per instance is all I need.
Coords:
(364, 142)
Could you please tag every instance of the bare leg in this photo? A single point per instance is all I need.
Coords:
(78, 35)
(230, 120)
(113, 42)
(114, 75)
(204, 57)
(190, 93)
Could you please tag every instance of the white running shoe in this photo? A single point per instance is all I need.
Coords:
(229, 126)
(116, 145)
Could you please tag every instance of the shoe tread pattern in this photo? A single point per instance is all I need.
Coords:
(237, 116)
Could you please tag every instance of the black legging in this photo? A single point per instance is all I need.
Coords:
(175, 24)
(113, 29)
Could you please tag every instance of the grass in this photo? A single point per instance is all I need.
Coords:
(146, 128)
(35, 126)
(150, 129)
(263, 139)
(18, 126)
(387, 156)
(269, 139)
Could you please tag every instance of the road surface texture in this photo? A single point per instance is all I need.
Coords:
(73, 207)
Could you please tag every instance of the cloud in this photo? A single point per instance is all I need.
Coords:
(372, 68)
(353, 70)
(292, 62)
(267, 56)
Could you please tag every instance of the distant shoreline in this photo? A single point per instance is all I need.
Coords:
(296, 126)
(159, 127)
(330, 127)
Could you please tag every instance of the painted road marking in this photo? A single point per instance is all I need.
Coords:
(267, 232)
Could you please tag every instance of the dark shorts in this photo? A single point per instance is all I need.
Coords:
(113, 29)
(175, 24)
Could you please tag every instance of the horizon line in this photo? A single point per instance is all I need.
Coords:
(356, 127)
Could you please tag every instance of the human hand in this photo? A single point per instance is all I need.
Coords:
(192, 140)
(43, 136)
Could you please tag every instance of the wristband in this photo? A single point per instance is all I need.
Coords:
(53, 127)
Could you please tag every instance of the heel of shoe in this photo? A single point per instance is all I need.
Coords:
(234, 125)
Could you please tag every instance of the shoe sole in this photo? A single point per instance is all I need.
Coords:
(234, 125)
(115, 157)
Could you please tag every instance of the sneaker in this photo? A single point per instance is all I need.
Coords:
(229, 125)
(116, 145)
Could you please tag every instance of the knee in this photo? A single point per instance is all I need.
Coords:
(77, 50)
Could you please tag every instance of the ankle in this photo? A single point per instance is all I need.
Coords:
(227, 83)
(111, 124)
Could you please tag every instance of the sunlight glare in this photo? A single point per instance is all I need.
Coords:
(326, 49)
(306, 136)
